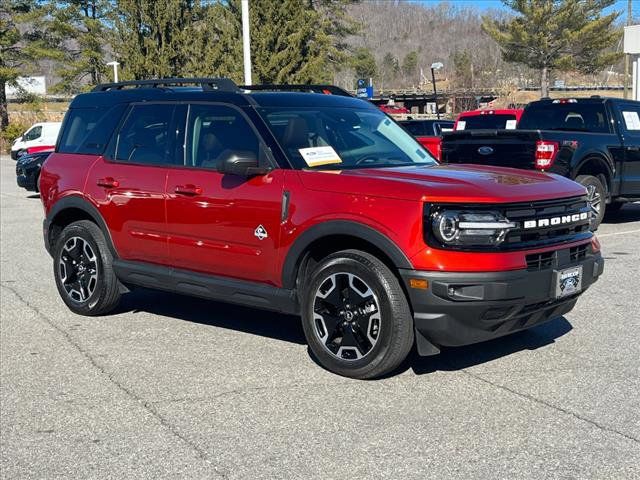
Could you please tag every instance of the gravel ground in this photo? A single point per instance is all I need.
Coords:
(175, 387)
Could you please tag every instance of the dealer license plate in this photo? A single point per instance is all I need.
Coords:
(569, 281)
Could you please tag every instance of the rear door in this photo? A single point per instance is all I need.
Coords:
(630, 133)
(219, 224)
(128, 184)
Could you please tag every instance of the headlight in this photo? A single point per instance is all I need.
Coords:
(468, 229)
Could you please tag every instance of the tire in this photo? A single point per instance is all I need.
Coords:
(597, 194)
(81, 254)
(37, 184)
(371, 333)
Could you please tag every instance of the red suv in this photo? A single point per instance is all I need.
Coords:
(309, 204)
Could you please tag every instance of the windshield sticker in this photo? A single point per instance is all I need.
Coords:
(511, 125)
(317, 156)
(632, 120)
(461, 125)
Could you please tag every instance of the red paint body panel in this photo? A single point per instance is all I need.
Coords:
(433, 144)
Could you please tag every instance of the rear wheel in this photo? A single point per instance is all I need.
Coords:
(596, 195)
(82, 266)
(356, 317)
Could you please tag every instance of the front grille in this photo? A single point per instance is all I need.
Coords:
(578, 253)
(522, 237)
(540, 261)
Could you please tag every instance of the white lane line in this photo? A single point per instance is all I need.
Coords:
(617, 233)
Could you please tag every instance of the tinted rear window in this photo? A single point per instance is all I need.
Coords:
(88, 130)
(417, 128)
(580, 117)
(489, 122)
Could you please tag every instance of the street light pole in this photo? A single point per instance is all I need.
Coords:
(434, 67)
(114, 64)
(246, 42)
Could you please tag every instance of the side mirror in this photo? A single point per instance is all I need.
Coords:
(241, 163)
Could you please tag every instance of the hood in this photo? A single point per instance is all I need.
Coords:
(445, 183)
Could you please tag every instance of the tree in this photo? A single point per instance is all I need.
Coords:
(410, 64)
(152, 38)
(24, 39)
(463, 69)
(292, 41)
(563, 35)
(389, 68)
(364, 63)
(81, 26)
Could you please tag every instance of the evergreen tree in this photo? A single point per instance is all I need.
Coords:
(153, 37)
(24, 39)
(81, 26)
(364, 63)
(389, 69)
(463, 69)
(553, 35)
(410, 65)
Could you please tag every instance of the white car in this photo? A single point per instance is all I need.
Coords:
(40, 135)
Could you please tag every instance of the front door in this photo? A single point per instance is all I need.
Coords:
(220, 224)
(128, 185)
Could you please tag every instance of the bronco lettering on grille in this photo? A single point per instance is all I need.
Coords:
(554, 221)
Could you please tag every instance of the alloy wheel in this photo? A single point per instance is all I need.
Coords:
(594, 198)
(78, 269)
(346, 316)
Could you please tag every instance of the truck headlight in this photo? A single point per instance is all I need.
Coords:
(467, 229)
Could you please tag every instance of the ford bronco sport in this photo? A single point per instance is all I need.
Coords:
(311, 204)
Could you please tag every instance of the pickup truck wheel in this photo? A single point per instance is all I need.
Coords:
(596, 195)
(82, 267)
(355, 316)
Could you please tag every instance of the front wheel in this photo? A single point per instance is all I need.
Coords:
(596, 195)
(82, 266)
(356, 317)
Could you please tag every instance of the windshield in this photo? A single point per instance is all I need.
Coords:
(343, 138)
(487, 122)
(585, 117)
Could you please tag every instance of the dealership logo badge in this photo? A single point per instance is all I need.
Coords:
(261, 232)
(554, 221)
(485, 150)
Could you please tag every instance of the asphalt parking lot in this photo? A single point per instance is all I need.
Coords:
(175, 387)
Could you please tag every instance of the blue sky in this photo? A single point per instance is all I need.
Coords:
(620, 5)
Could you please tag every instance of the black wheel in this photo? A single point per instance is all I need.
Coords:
(82, 266)
(356, 317)
(596, 194)
(37, 184)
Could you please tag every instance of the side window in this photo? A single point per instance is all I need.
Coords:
(630, 118)
(88, 130)
(215, 130)
(144, 136)
(33, 134)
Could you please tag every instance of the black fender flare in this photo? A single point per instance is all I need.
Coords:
(78, 203)
(339, 227)
(599, 157)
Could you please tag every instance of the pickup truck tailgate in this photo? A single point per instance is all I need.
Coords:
(504, 148)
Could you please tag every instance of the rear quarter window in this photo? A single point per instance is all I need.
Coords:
(88, 130)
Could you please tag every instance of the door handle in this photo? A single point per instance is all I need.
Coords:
(188, 190)
(108, 182)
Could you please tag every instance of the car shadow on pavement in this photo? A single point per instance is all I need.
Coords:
(288, 328)
(628, 213)
(458, 358)
(216, 314)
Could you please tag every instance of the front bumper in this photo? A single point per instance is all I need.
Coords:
(464, 308)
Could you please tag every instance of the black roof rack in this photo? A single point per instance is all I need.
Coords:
(221, 84)
(311, 88)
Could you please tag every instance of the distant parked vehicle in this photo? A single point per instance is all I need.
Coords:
(506, 119)
(429, 133)
(39, 135)
(28, 170)
(394, 109)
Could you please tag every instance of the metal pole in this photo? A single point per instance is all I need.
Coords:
(115, 72)
(246, 42)
(627, 57)
(435, 93)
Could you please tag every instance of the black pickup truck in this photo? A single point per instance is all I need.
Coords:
(595, 141)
